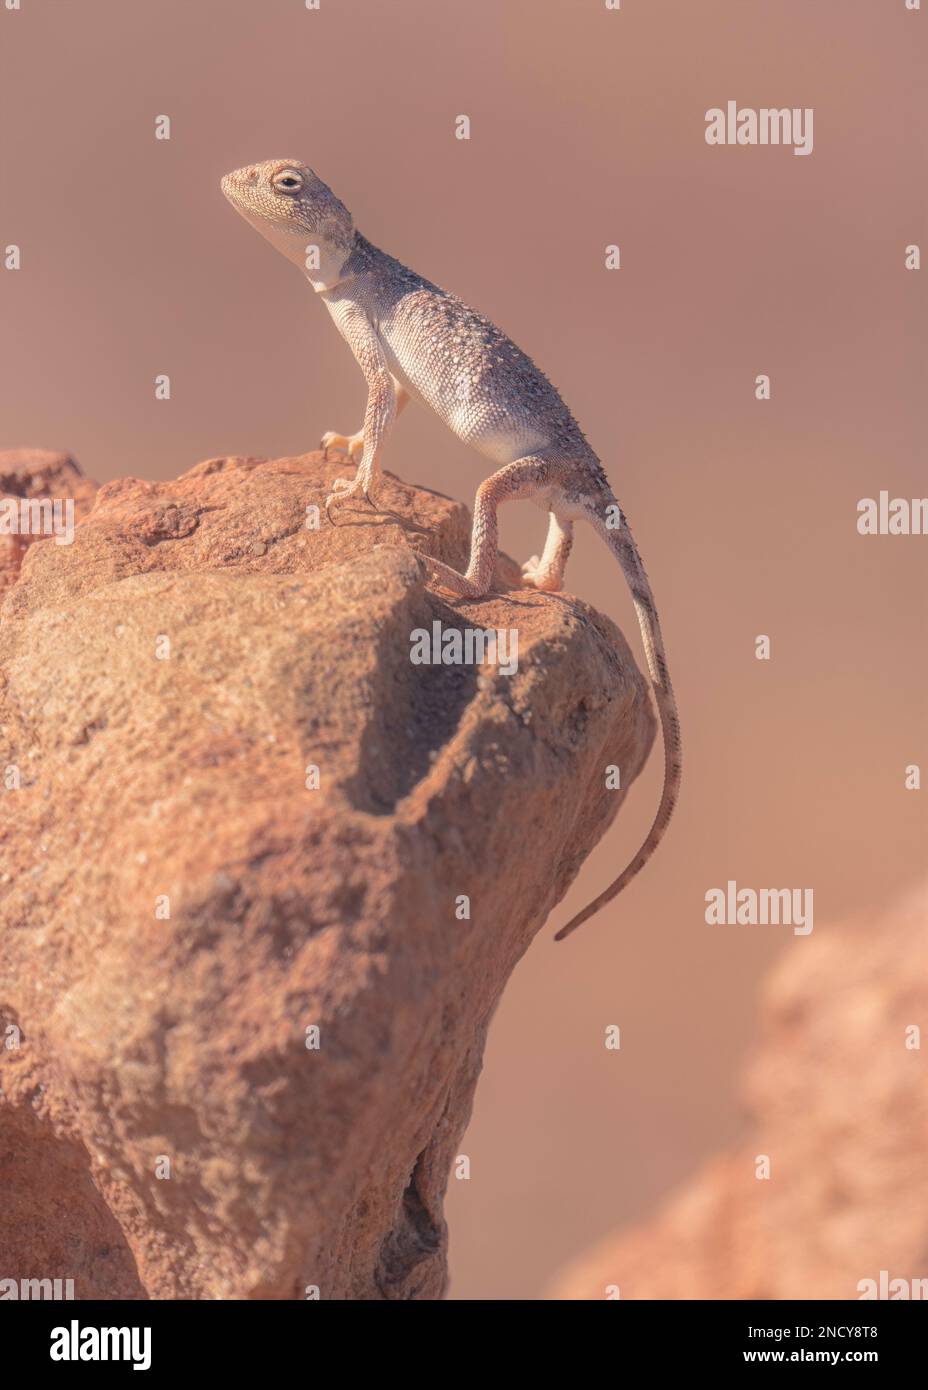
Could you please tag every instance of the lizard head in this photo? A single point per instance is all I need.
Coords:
(291, 206)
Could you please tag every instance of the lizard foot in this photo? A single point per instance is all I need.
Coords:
(535, 577)
(343, 488)
(350, 444)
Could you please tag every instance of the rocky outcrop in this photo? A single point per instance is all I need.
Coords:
(838, 1104)
(35, 475)
(264, 878)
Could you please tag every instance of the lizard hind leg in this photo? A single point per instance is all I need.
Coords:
(547, 573)
(526, 477)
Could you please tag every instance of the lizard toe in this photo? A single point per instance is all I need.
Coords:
(350, 444)
(343, 488)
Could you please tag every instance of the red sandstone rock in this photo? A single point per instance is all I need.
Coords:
(166, 682)
(36, 474)
(839, 1102)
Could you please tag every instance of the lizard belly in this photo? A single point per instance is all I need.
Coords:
(503, 442)
(486, 427)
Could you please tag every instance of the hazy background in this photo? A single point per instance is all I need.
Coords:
(587, 129)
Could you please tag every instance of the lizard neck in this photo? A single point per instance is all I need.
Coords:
(330, 272)
(362, 257)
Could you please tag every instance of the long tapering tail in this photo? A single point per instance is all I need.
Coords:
(622, 545)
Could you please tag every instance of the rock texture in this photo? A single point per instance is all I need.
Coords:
(181, 907)
(34, 474)
(839, 1102)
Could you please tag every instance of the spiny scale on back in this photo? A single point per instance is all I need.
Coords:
(411, 338)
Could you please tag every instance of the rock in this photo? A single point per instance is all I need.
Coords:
(36, 474)
(839, 1103)
(264, 1090)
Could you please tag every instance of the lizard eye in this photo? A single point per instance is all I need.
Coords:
(288, 181)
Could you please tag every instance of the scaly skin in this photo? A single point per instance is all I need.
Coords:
(411, 338)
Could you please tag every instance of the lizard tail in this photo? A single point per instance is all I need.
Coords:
(622, 545)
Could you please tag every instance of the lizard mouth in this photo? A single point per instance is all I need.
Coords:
(228, 187)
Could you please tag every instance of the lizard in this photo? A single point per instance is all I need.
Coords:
(413, 339)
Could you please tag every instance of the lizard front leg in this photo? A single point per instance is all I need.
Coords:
(362, 338)
(353, 444)
(379, 416)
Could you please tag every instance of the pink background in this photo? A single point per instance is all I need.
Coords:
(587, 129)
